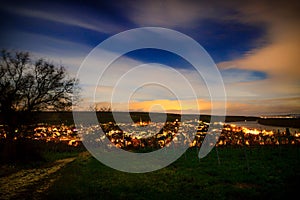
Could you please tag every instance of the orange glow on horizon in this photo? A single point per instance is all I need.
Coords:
(170, 105)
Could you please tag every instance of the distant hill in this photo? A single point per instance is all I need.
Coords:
(67, 117)
(283, 122)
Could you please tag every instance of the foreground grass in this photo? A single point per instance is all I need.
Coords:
(31, 154)
(241, 173)
(30, 183)
(29, 167)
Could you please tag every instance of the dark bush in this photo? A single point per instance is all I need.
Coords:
(21, 150)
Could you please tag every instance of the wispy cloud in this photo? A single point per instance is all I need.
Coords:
(170, 14)
(67, 15)
(264, 106)
(62, 52)
(279, 58)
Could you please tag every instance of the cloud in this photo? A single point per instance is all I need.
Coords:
(264, 106)
(278, 58)
(172, 14)
(275, 59)
(264, 79)
(38, 43)
(234, 107)
(68, 15)
(270, 69)
(238, 75)
(60, 52)
(129, 79)
(162, 105)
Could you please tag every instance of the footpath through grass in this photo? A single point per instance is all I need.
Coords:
(240, 173)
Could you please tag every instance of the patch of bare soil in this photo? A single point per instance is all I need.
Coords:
(21, 183)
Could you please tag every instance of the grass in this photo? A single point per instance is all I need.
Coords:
(250, 173)
(28, 154)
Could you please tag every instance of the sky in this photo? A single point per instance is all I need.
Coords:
(254, 44)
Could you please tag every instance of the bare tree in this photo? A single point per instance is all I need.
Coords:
(28, 85)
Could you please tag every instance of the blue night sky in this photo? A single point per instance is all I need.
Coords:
(254, 44)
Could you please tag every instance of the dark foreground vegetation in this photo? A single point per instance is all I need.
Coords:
(229, 172)
(251, 173)
(27, 153)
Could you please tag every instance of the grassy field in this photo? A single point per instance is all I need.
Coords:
(239, 173)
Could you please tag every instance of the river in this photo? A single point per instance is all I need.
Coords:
(256, 125)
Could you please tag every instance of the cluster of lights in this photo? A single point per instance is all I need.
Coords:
(172, 131)
(61, 133)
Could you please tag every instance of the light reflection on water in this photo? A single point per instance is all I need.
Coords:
(256, 125)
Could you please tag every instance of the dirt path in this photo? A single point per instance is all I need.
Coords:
(19, 183)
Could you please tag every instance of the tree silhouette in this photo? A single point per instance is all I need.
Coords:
(28, 85)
